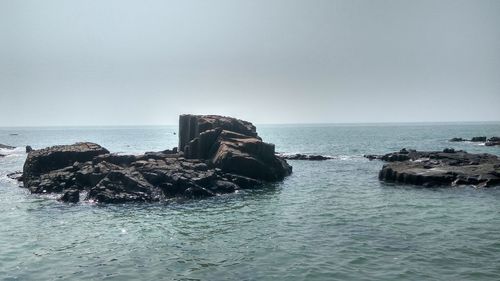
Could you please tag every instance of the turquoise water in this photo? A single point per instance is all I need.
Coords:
(330, 220)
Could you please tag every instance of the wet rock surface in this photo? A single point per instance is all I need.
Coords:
(440, 168)
(214, 161)
(306, 157)
(4, 146)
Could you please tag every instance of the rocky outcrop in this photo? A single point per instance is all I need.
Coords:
(307, 157)
(441, 168)
(45, 161)
(216, 161)
(232, 145)
(493, 141)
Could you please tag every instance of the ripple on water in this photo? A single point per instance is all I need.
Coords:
(330, 220)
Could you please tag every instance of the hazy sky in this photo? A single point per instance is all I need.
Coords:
(145, 62)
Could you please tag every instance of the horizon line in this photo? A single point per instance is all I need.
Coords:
(258, 124)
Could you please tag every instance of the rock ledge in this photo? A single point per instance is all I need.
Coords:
(440, 168)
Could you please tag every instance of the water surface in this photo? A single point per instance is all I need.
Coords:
(330, 220)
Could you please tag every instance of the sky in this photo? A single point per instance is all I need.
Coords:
(121, 62)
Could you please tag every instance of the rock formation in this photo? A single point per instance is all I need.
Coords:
(308, 157)
(493, 141)
(231, 145)
(219, 155)
(440, 168)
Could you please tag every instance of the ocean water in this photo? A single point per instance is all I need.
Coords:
(330, 220)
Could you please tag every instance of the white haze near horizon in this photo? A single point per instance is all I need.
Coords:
(120, 62)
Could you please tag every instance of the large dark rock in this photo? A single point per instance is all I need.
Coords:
(216, 161)
(493, 141)
(446, 168)
(248, 156)
(71, 196)
(191, 126)
(53, 158)
(231, 145)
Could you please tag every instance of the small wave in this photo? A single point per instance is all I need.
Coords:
(15, 151)
(4, 179)
(349, 157)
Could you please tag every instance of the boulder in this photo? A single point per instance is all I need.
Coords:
(52, 158)
(457, 139)
(493, 141)
(248, 156)
(28, 149)
(71, 196)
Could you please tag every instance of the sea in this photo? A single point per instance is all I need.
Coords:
(329, 220)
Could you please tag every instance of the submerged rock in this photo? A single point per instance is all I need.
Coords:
(4, 146)
(18, 175)
(71, 196)
(214, 161)
(308, 157)
(441, 168)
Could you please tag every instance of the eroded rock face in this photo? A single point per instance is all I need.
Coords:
(441, 168)
(53, 158)
(231, 145)
(191, 126)
(225, 161)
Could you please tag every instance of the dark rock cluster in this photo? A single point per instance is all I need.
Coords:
(440, 168)
(218, 155)
(493, 141)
